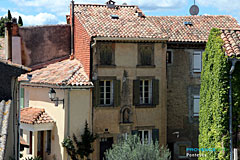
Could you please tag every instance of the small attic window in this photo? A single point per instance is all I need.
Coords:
(187, 23)
(114, 16)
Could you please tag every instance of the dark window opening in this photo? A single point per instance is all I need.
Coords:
(169, 57)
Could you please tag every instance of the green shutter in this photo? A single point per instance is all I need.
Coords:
(22, 98)
(136, 92)
(134, 132)
(155, 135)
(117, 92)
(155, 90)
(96, 94)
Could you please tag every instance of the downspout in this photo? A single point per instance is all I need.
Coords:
(72, 31)
(230, 104)
(18, 123)
(68, 117)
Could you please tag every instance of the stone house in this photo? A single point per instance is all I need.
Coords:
(111, 40)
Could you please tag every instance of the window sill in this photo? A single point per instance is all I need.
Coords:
(145, 106)
(106, 66)
(105, 106)
(146, 66)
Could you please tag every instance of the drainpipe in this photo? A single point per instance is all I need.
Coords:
(72, 31)
(230, 104)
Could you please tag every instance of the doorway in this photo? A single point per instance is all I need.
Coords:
(40, 144)
(105, 144)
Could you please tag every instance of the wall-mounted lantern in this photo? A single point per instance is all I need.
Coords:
(52, 97)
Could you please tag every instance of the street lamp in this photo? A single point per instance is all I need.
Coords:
(52, 97)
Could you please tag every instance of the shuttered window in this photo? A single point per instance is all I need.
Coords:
(146, 53)
(22, 97)
(146, 92)
(106, 53)
(106, 93)
(196, 106)
(197, 61)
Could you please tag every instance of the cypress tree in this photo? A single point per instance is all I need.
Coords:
(20, 22)
(9, 15)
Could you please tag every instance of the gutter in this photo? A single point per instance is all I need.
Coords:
(25, 83)
(128, 39)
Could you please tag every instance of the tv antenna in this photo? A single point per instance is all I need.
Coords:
(194, 10)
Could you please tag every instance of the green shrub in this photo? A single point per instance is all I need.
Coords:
(133, 149)
(214, 100)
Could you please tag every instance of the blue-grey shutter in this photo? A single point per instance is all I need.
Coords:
(155, 91)
(136, 92)
(96, 94)
(117, 90)
(155, 135)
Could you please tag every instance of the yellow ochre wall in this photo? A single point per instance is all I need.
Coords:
(126, 59)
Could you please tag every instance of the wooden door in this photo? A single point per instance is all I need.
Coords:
(105, 144)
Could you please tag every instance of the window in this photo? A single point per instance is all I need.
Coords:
(196, 105)
(106, 92)
(197, 61)
(182, 150)
(30, 142)
(145, 92)
(146, 54)
(21, 132)
(48, 139)
(145, 136)
(106, 53)
(169, 57)
(22, 97)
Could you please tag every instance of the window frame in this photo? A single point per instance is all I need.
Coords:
(104, 93)
(99, 47)
(196, 70)
(140, 64)
(171, 52)
(195, 114)
(150, 90)
(141, 135)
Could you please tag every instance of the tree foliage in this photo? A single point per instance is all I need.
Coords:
(20, 21)
(3, 20)
(77, 149)
(9, 15)
(133, 149)
(214, 100)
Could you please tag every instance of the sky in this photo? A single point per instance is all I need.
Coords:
(42, 12)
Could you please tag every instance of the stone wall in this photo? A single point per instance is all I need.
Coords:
(43, 44)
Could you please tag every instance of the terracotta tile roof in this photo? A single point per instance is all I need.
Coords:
(2, 45)
(7, 62)
(197, 32)
(231, 40)
(23, 142)
(63, 73)
(97, 21)
(31, 115)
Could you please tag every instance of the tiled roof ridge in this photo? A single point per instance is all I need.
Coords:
(104, 5)
(194, 16)
(45, 25)
(74, 72)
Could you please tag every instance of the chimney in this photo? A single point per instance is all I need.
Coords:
(15, 29)
(8, 39)
(110, 4)
(16, 43)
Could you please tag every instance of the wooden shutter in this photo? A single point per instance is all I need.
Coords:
(117, 92)
(155, 135)
(155, 91)
(106, 51)
(134, 132)
(136, 92)
(197, 61)
(96, 94)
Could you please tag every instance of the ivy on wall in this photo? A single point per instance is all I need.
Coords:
(214, 100)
